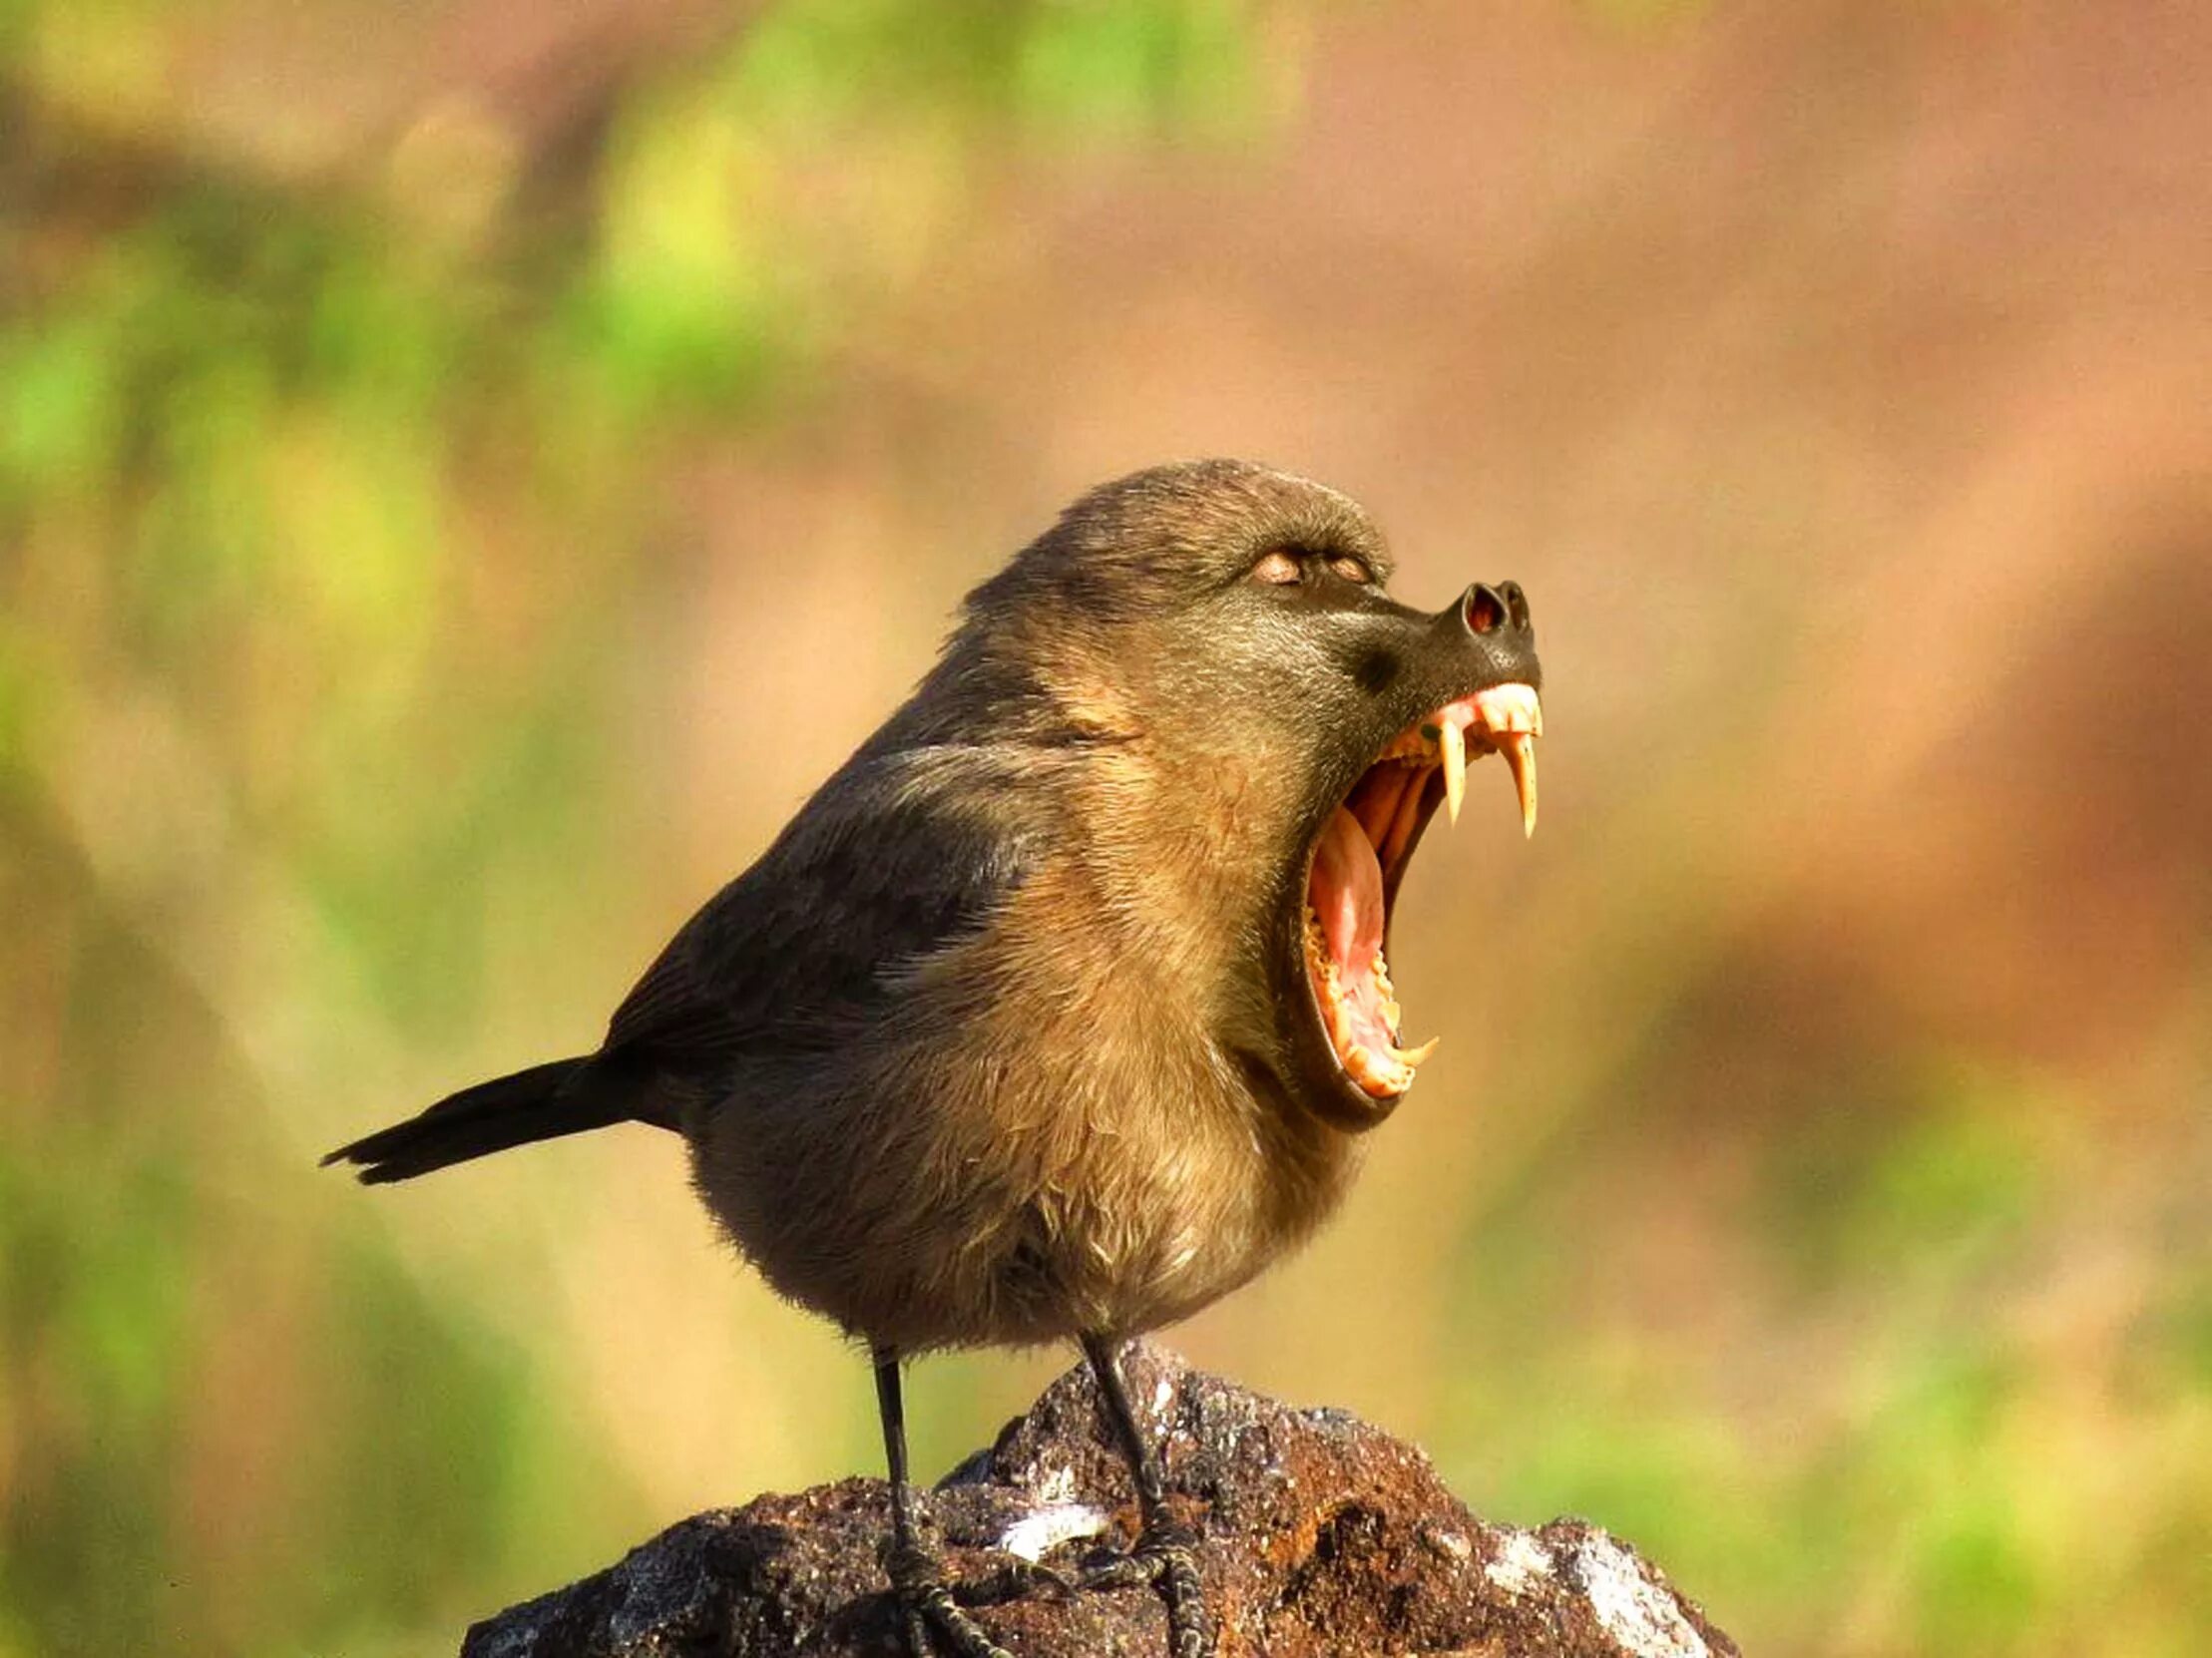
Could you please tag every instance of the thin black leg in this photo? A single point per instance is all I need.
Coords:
(923, 1602)
(1166, 1552)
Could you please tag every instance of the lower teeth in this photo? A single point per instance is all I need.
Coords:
(1393, 1070)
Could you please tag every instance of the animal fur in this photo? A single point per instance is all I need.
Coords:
(1003, 1039)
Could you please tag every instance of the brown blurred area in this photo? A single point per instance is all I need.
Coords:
(1812, 1182)
(1835, 378)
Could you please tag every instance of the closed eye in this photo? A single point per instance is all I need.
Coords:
(1287, 568)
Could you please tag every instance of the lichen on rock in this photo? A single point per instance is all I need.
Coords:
(1320, 1535)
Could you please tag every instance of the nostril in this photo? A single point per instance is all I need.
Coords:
(1517, 603)
(1484, 608)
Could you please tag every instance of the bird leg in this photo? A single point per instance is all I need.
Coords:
(917, 1580)
(1166, 1552)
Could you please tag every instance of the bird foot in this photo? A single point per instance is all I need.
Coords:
(928, 1608)
(935, 1612)
(1167, 1558)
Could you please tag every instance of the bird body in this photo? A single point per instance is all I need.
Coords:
(1088, 1158)
(1059, 1009)
(1038, 1126)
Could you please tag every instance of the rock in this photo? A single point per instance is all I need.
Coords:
(1321, 1535)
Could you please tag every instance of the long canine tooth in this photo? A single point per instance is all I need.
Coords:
(1454, 743)
(1413, 1056)
(1519, 750)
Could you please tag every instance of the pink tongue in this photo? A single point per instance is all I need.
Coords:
(1347, 895)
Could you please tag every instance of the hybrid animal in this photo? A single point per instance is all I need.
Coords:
(1058, 1011)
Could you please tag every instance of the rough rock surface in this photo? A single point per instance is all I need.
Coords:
(1321, 1535)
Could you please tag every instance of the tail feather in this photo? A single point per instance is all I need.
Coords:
(565, 1097)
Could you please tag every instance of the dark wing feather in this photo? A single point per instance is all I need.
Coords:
(896, 858)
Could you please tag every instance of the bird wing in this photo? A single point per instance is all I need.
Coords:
(896, 859)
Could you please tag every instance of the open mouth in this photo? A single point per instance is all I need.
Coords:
(1361, 857)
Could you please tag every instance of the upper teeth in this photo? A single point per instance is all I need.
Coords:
(1511, 720)
(1454, 769)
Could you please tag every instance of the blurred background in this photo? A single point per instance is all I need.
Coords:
(469, 468)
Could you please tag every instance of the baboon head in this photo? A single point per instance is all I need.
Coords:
(1263, 733)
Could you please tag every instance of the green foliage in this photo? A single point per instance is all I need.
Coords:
(1903, 1168)
(1955, 1500)
(329, 503)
